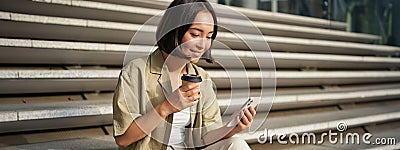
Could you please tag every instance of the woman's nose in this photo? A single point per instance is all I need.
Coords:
(200, 44)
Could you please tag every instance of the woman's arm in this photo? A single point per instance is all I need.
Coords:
(140, 127)
(143, 125)
(244, 123)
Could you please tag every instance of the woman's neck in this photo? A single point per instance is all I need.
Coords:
(175, 64)
(176, 68)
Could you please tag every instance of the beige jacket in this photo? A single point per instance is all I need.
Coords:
(140, 87)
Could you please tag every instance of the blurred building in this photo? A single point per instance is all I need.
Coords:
(376, 17)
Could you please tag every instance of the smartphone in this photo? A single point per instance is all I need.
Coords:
(252, 101)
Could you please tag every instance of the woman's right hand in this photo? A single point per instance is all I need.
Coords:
(183, 97)
(180, 99)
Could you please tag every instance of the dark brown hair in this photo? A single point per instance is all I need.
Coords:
(176, 22)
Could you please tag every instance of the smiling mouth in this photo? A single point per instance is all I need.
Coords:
(194, 51)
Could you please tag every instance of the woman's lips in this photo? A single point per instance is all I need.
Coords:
(196, 53)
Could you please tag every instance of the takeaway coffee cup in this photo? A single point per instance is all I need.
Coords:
(190, 78)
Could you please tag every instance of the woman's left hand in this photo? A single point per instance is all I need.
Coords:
(245, 120)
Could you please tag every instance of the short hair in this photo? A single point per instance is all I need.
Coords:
(175, 23)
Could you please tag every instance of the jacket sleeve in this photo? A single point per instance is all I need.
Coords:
(125, 102)
(211, 115)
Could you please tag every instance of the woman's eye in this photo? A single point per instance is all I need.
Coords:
(194, 35)
(208, 37)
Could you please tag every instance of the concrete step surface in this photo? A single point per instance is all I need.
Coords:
(98, 138)
(324, 121)
(52, 115)
(45, 27)
(255, 15)
(112, 12)
(27, 51)
(43, 81)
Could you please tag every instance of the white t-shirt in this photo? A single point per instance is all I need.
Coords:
(180, 120)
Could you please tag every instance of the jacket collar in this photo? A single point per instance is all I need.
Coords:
(156, 62)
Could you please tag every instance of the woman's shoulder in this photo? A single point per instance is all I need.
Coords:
(135, 64)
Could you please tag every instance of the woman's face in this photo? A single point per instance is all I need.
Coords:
(198, 38)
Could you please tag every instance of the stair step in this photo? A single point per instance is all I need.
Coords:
(99, 142)
(324, 121)
(107, 141)
(97, 110)
(27, 51)
(284, 122)
(139, 15)
(39, 99)
(55, 115)
(289, 100)
(27, 138)
(45, 27)
(393, 129)
(105, 80)
(391, 132)
(311, 99)
(255, 15)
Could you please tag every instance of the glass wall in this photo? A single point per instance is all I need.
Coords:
(378, 17)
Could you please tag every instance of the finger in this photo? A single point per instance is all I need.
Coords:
(245, 120)
(193, 98)
(193, 103)
(185, 94)
(252, 111)
(238, 120)
(248, 115)
(191, 92)
(189, 87)
(195, 91)
(240, 125)
(196, 97)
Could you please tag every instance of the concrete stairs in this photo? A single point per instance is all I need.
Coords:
(60, 59)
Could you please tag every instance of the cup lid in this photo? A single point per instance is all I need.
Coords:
(191, 78)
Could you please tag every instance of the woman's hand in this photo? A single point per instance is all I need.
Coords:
(247, 117)
(245, 121)
(185, 96)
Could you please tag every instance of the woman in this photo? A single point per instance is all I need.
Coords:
(153, 110)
